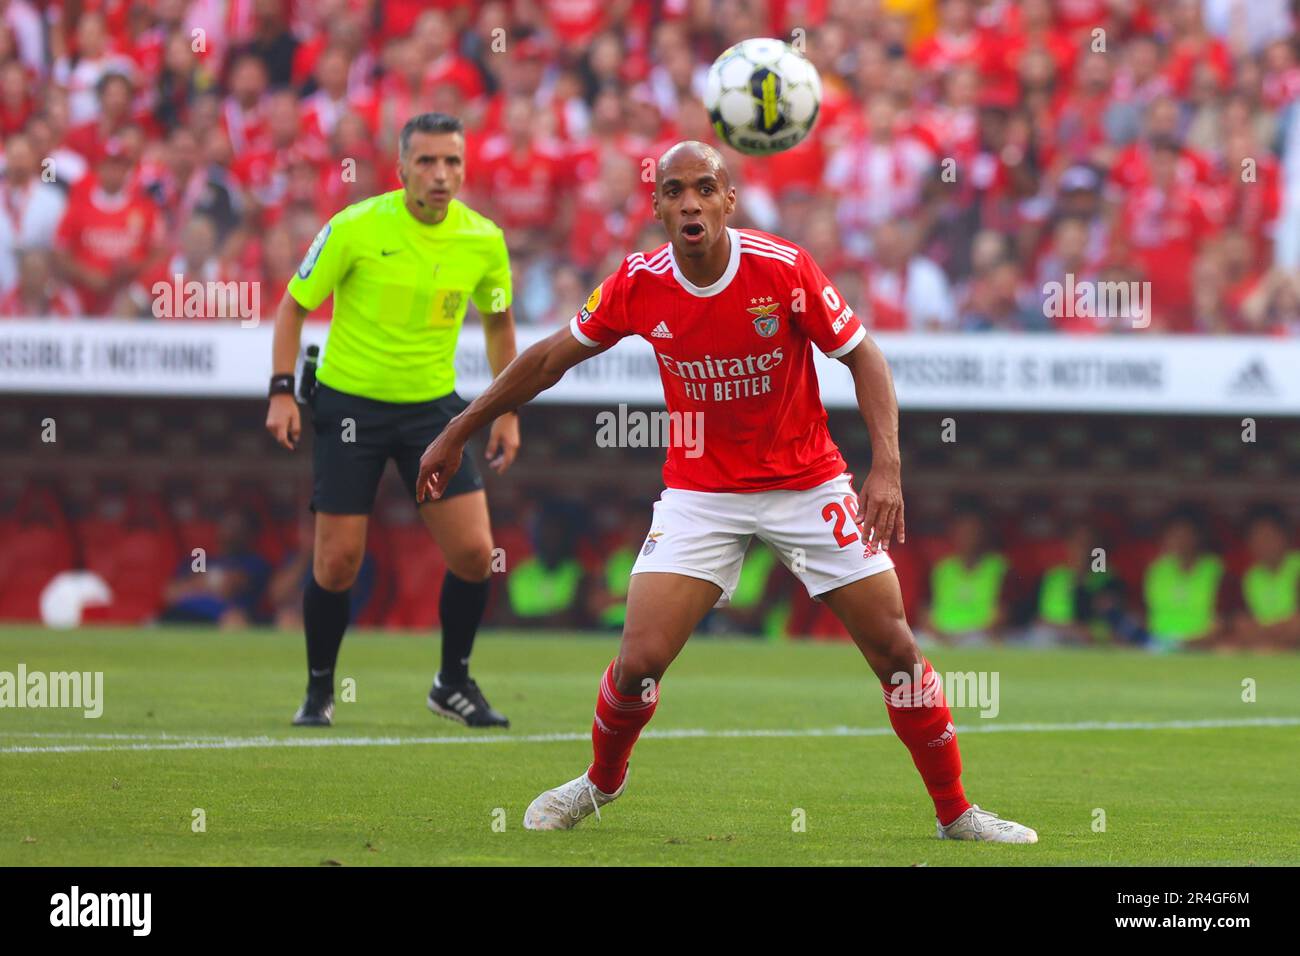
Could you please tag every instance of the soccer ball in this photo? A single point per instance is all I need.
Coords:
(762, 96)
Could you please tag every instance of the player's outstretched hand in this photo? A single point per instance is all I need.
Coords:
(880, 508)
(503, 442)
(439, 462)
(284, 421)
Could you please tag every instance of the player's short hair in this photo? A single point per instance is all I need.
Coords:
(1185, 513)
(709, 153)
(1266, 513)
(427, 123)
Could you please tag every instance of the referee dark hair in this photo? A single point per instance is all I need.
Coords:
(402, 268)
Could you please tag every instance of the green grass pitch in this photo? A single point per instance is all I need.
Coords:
(200, 720)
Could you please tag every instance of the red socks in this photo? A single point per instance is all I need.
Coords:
(917, 711)
(618, 723)
(921, 719)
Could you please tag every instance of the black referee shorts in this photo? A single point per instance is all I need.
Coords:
(356, 436)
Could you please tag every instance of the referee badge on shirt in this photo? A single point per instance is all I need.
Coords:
(766, 323)
(593, 303)
(313, 252)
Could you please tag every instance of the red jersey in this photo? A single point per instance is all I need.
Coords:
(105, 232)
(740, 353)
(521, 188)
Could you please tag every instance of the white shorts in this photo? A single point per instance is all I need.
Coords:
(705, 535)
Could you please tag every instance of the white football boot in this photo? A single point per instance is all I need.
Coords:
(565, 806)
(977, 824)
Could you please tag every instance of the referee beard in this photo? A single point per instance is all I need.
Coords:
(422, 249)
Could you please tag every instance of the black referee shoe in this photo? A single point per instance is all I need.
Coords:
(465, 704)
(317, 709)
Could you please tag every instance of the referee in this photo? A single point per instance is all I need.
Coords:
(402, 267)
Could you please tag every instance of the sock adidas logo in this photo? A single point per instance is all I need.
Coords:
(949, 733)
(661, 331)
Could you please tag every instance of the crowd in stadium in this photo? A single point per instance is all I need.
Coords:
(966, 152)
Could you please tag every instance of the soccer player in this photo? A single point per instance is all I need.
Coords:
(732, 315)
(402, 267)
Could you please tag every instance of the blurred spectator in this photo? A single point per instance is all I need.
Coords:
(878, 177)
(90, 61)
(189, 186)
(957, 119)
(568, 292)
(195, 261)
(967, 602)
(110, 234)
(1079, 601)
(113, 94)
(30, 209)
(998, 302)
(39, 293)
(1182, 584)
(243, 114)
(226, 590)
(756, 608)
(272, 43)
(182, 78)
(907, 291)
(545, 590)
(22, 22)
(16, 101)
(1273, 308)
(287, 581)
(1163, 223)
(607, 595)
(1270, 586)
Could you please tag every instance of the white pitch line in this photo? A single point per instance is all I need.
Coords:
(179, 742)
(74, 735)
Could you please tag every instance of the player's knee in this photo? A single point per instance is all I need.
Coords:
(895, 645)
(471, 562)
(638, 670)
(335, 571)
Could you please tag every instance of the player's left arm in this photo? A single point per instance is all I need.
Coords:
(880, 502)
(503, 437)
(492, 297)
(834, 328)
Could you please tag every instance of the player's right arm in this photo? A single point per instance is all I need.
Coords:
(532, 372)
(283, 419)
(326, 263)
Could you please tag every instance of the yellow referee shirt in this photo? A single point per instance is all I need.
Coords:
(400, 289)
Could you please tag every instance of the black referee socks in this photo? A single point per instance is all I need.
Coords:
(460, 608)
(325, 618)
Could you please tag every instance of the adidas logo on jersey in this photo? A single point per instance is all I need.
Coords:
(661, 331)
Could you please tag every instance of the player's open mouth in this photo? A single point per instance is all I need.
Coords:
(693, 231)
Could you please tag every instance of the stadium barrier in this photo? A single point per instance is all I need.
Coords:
(995, 371)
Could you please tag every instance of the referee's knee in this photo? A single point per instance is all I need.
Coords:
(471, 562)
(336, 572)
